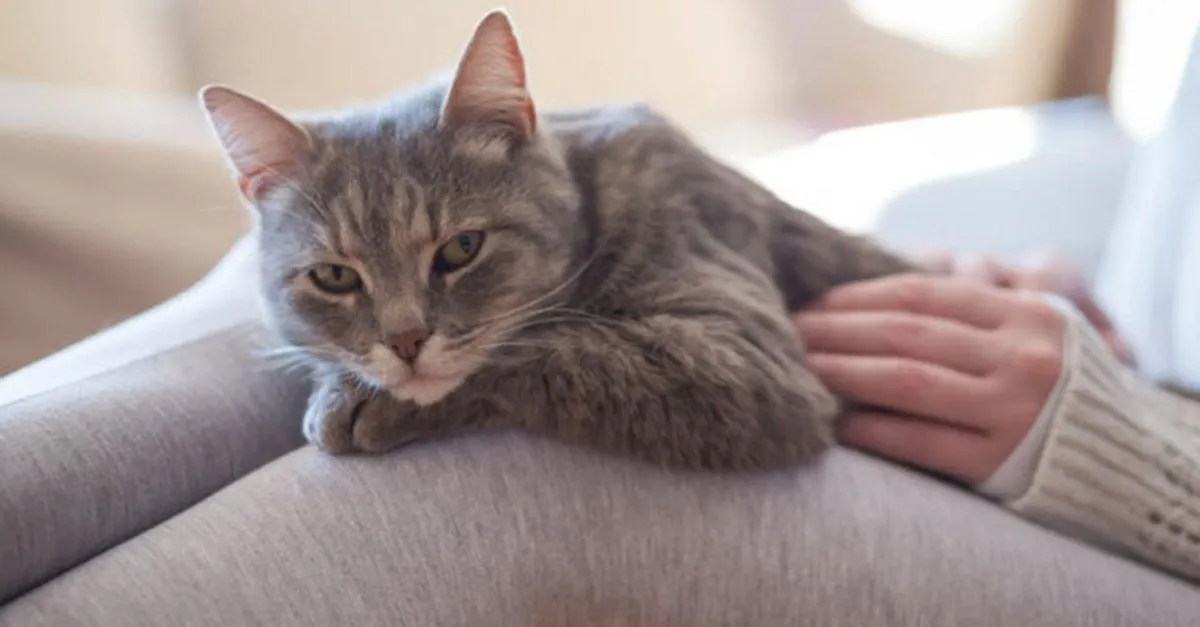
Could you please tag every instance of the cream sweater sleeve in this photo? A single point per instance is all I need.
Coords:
(1120, 461)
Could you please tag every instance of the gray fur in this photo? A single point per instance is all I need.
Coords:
(636, 290)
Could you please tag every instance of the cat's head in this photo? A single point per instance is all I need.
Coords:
(405, 242)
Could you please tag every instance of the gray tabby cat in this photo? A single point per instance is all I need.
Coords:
(451, 261)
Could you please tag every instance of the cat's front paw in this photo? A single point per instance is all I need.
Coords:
(380, 425)
(345, 417)
(330, 416)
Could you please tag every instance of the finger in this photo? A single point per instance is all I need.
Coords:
(900, 334)
(945, 449)
(1050, 273)
(954, 298)
(987, 270)
(906, 386)
(1039, 280)
(1045, 271)
(1059, 278)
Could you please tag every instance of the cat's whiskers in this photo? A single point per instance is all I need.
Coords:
(497, 358)
(490, 324)
(569, 315)
(288, 363)
(542, 298)
(362, 384)
(512, 322)
(294, 358)
(503, 345)
(513, 325)
(501, 333)
(285, 355)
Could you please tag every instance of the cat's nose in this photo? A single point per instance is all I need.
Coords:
(407, 344)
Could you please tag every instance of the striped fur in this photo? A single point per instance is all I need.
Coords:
(631, 294)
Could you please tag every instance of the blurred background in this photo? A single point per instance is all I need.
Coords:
(113, 197)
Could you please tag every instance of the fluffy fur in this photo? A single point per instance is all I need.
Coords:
(631, 292)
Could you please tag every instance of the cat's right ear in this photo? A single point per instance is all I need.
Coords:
(489, 86)
(264, 148)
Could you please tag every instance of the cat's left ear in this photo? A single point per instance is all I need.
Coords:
(489, 86)
(264, 148)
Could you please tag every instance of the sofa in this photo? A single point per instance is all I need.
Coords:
(154, 474)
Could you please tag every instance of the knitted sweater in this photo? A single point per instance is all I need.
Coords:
(1114, 460)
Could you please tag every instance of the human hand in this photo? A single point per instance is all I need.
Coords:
(947, 373)
(1040, 273)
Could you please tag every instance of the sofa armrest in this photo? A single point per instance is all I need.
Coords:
(109, 204)
(1000, 181)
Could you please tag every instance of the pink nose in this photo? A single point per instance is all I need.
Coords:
(407, 344)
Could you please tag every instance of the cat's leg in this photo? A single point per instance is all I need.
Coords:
(715, 391)
(346, 416)
(384, 424)
(721, 391)
(333, 406)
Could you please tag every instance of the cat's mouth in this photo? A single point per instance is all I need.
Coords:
(428, 379)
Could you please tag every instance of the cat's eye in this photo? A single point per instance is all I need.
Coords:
(334, 279)
(458, 252)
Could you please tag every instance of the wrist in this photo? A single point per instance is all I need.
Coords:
(1015, 474)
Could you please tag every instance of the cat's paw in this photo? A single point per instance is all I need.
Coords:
(345, 417)
(379, 426)
(330, 416)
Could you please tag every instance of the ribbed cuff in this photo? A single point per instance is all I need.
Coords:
(1013, 477)
(1120, 466)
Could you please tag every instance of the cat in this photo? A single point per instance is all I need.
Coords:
(451, 260)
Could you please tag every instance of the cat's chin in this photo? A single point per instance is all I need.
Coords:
(425, 390)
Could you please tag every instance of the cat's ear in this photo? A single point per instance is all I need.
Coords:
(264, 148)
(489, 86)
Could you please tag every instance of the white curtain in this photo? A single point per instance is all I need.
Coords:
(1149, 279)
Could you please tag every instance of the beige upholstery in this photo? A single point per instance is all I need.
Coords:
(108, 204)
(317, 53)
